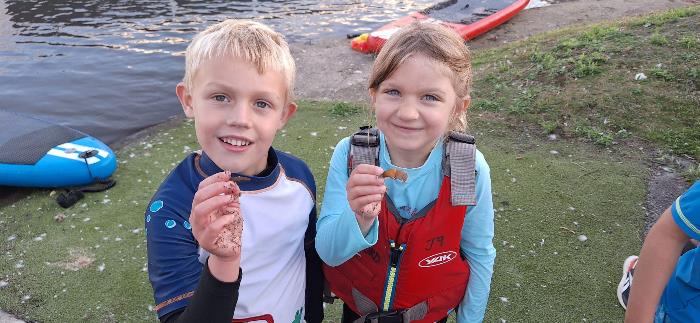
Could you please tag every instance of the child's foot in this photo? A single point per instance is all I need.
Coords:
(623, 288)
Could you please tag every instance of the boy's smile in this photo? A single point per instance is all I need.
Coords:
(237, 112)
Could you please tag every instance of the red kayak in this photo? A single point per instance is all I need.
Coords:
(480, 23)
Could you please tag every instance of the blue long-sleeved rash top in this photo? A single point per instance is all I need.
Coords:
(339, 237)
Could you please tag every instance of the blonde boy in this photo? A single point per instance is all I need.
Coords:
(230, 231)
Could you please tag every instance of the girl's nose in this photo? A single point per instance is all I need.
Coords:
(408, 110)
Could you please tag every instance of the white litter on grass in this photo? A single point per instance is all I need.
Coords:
(3, 284)
(314, 134)
(150, 308)
(503, 299)
(101, 267)
(19, 264)
(117, 239)
(542, 243)
(582, 238)
(571, 208)
(12, 237)
(552, 136)
(342, 128)
(26, 298)
(106, 201)
(554, 152)
(513, 180)
(40, 237)
(136, 230)
(640, 77)
(83, 205)
(86, 219)
(503, 321)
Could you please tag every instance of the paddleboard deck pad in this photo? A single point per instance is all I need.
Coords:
(38, 153)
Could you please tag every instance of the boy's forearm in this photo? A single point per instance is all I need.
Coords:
(656, 264)
(224, 270)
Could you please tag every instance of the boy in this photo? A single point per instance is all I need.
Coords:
(662, 293)
(230, 231)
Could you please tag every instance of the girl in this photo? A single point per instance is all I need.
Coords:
(413, 250)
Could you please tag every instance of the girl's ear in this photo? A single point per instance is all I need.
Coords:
(464, 105)
(372, 97)
(183, 94)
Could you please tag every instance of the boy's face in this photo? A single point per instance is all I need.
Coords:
(236, 111)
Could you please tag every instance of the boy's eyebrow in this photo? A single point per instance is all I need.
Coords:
(260, 92)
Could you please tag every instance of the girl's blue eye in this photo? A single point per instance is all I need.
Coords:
(430, 97)
(262, 104)
(392, 92)
(220, 98)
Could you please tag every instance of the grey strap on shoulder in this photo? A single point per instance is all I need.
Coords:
(459, 164)
(364, 148)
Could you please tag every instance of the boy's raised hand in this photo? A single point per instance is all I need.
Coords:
(365, 190)
(217, 224)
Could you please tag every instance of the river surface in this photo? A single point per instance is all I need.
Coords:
(109, 68)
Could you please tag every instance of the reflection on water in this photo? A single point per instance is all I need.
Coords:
(109, 68)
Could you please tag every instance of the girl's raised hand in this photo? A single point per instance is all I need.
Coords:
(216, 220)
(365, 190)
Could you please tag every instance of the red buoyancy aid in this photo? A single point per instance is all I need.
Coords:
(415, 270)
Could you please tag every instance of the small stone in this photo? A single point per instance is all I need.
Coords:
(59, 217)
(554, 152)
(552, 136)
(101, 267)
(503, 299)
(640, 77)
(582, 238)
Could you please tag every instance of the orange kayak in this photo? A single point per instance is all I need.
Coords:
(372, 42)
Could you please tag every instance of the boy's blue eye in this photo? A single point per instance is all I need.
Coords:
(262, 104)
(220, 98)
(430, 97)
(392, 92)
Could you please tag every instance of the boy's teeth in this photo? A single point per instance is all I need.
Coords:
(236, 142)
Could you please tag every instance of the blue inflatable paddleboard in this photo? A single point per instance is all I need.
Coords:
(37, 153)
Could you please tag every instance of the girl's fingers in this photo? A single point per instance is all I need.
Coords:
(367, 199)
(365, 179)
(368, 170)
(358, 191)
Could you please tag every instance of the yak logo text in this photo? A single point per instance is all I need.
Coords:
(437, 259)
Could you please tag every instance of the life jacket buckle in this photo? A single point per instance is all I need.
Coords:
(386, 317)
(366, 137)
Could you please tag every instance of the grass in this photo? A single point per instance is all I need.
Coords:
(578, 83)
(581, 81)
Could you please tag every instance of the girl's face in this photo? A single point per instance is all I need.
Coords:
(413, 107)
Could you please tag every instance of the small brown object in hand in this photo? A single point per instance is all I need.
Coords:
(395, 174)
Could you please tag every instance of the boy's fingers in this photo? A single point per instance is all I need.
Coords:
(214, 189)
(218, 177)
(207, 207)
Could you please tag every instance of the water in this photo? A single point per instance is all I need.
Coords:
(109, 68)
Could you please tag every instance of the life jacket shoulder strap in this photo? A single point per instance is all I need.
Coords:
(458, 161)
(364, 148)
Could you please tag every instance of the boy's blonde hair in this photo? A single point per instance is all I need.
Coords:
(248, 40)
(436, 42)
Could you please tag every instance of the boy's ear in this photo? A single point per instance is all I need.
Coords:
(183, 94)
(287, 114)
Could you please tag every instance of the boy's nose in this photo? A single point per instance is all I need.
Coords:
(239, 116)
